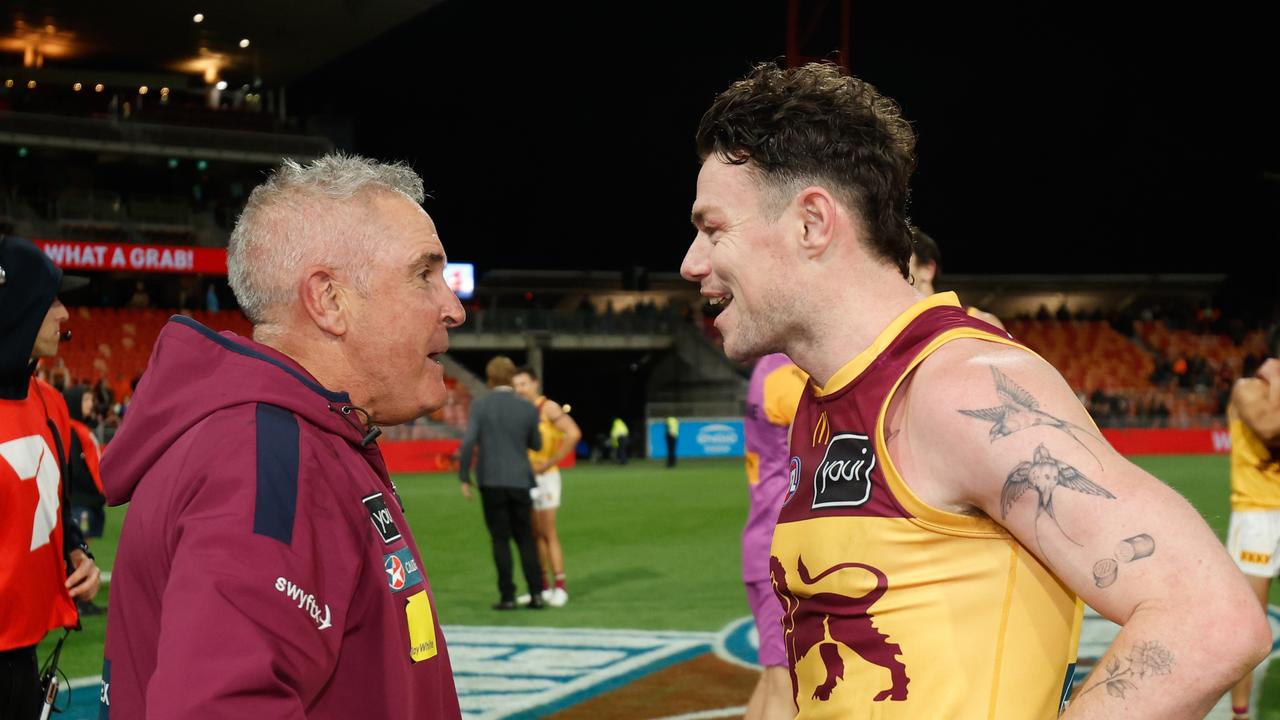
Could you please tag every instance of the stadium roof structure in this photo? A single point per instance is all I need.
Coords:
(285, 39)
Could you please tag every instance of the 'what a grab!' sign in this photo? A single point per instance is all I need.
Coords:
(105, 256)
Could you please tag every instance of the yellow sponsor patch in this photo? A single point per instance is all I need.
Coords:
(1255, 558)
(753, 468)
(422, 630)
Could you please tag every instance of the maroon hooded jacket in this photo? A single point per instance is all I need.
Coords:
(265, 569)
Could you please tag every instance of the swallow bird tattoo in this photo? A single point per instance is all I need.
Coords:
(1018, 410)
(1044, 474)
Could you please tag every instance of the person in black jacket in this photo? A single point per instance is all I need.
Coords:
(505, 427)
(84, 481)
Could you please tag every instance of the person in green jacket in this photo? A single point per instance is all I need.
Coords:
(673, 434)
(620, 440)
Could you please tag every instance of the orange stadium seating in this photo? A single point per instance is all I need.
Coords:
(114, 345)
(1091, 355)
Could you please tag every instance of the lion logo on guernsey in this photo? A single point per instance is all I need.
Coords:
(849, 622)
(843, 478)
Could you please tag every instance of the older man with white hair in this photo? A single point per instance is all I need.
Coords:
(265, 568)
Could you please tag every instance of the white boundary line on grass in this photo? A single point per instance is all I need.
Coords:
(81, 682)
(721, 650)
(709, 714)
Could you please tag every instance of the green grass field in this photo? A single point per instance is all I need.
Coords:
(645, 548)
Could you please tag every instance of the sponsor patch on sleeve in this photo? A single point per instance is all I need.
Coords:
(402, 569)
(381, 517)
(422, 629)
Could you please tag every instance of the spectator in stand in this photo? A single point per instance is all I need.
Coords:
(140, 299)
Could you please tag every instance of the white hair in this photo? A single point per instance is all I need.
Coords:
(307, 215)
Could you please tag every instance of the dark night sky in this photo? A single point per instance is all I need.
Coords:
(1051, 140)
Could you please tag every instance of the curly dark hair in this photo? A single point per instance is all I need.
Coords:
(816, 124)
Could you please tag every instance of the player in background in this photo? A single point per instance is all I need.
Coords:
(772, 394)
(1253, 539)
(926, 266)
(560, 435)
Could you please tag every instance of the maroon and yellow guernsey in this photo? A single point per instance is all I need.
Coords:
(893, 608)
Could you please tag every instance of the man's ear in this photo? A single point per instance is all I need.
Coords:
(817, 211)
(927, 271)
(324, 300)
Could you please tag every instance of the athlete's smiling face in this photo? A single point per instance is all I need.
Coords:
(741, 259)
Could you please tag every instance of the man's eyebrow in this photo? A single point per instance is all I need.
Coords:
(428, 260)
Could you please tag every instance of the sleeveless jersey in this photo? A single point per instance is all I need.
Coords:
(1255, 470)
(894, 609)
(551, 436)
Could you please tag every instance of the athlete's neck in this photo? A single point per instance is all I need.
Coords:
(846, 317)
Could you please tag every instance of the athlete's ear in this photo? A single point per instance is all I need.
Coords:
(817, 215)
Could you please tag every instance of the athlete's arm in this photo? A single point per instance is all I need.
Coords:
(566, 425)
(992, 429)
(1256, 404)
(988, 318)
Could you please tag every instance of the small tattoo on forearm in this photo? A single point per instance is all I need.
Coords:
(1144, 660)
(1105, 572)
(1128, 550)
(1019, 410)
(1044, 474)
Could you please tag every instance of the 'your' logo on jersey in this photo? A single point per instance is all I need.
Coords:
(843, 478)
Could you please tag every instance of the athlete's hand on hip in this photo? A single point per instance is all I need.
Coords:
(84, 582)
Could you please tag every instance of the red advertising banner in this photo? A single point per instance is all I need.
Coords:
(109, 256)
(404, 456)
(1169, 442)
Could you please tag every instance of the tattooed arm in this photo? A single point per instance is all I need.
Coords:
(1002, 434)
